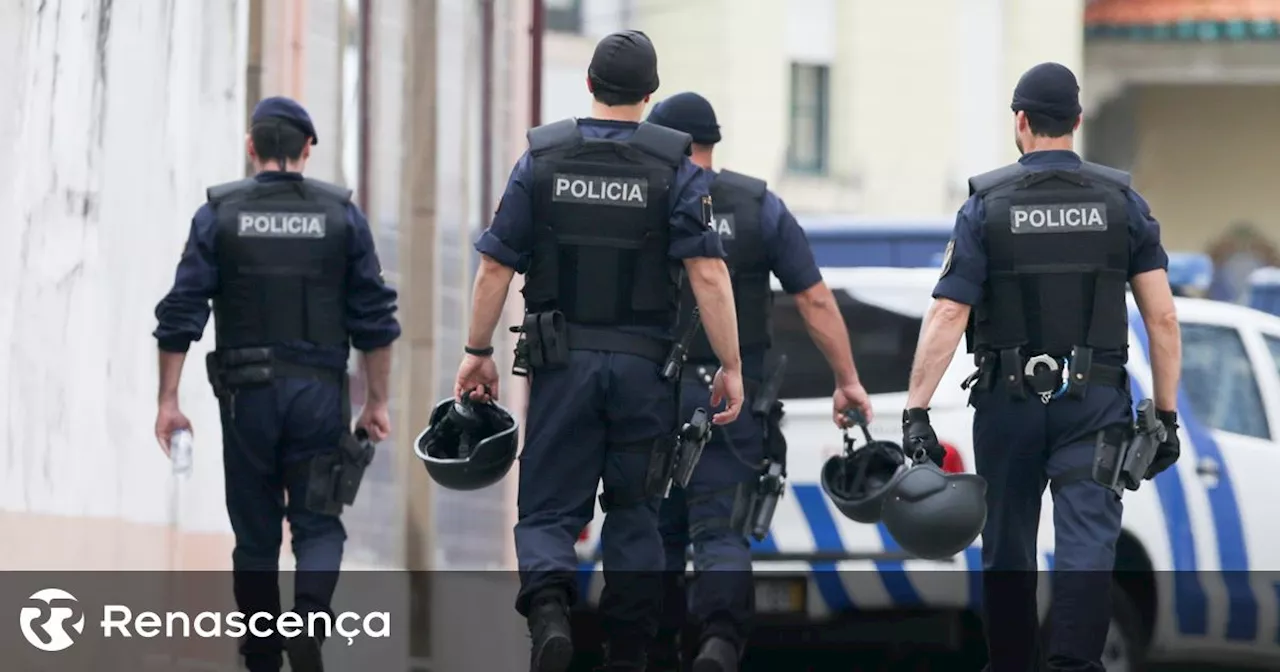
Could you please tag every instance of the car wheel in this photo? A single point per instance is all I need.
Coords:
(1125, 650)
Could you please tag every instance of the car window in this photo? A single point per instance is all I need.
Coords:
(1218, 380)
(1273, 346)
(884, 343)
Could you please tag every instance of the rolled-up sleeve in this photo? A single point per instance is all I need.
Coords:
(788, 247)
(509, 238)
(183, 313)
(371, 304)
(964, 269)
(691, 232)
(1146, 253)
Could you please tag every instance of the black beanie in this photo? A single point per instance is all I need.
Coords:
(689, 113)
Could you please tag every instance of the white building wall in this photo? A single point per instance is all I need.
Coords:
(919, 91)
(115, 123)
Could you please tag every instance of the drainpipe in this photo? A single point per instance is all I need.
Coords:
(363, 168)
(486, 110)
(253, 70)
(537, 28)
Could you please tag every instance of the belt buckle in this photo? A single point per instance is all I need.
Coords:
(1029, 372)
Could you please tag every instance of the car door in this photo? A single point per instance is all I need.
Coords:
(1229, 385)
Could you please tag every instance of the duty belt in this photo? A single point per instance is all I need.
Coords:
(611, 340)
(1048, 376)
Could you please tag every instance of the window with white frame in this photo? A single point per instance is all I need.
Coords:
(807, 143)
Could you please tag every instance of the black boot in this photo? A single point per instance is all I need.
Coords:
(716, 655)
(624, 657)
(665, 653)
(552, 638)
(304, 654)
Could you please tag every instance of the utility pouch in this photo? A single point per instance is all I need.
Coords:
(543, 344)
(1078, 371)
(693, 439)
(1011, 371)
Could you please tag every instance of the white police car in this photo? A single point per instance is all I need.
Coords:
(1198, 568)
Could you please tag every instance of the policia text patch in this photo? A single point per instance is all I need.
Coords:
(630, 192)
(1058, 218)
(282, 224)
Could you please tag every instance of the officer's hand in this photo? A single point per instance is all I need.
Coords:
(1168, 452)
(847, 397)
(376, 421)
(917, 433)
(169, 419)
(478, 375)
(726, 388)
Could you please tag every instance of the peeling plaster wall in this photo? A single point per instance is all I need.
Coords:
(116, 117)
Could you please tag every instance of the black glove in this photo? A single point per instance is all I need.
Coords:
(1166, 453)
(917, 433)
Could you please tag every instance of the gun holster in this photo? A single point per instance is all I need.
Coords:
(657, 479)
(755, 501)
(543, 343)
(1109, 450)
(334, 477)
(693, 439)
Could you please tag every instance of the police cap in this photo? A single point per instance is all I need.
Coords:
(1049, 89)
(689, 113)
(288, 110)
(625, 63)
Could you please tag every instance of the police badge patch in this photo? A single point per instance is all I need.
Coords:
(946, 258)
(708, 217)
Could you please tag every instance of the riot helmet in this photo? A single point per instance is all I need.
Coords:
(933, 514)
(858, 480)
(467, 445)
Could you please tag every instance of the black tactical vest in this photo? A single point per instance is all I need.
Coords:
(737, 200)
(602, 213)
(1057, 246)
(282, 262)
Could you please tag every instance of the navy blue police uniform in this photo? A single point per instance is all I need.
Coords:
(760, 237)
(1041, 251)
(290, 267)
(597, 215)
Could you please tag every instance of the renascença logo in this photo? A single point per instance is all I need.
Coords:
(44, 621)
(49, 612)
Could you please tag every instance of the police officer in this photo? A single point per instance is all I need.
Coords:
(760, 237)
(599, 216)
(1036, 270)
(289, 265)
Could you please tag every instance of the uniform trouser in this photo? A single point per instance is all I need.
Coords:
(268, 434)
(596, 420)
(721, 597)
(1020, 447)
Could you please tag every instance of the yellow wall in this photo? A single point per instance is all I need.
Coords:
(1206, 158)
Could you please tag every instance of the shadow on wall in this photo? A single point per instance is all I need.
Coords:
(1236, 254)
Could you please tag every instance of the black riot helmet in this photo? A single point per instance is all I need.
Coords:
(932, 514)
(467, 445)
(858, 480)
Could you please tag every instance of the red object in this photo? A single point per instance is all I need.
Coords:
(586, 532)
(1158, 12)
(952, 463)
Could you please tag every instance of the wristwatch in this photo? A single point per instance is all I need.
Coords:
(478, 352)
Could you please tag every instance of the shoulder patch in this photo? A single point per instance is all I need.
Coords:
(946, 258)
